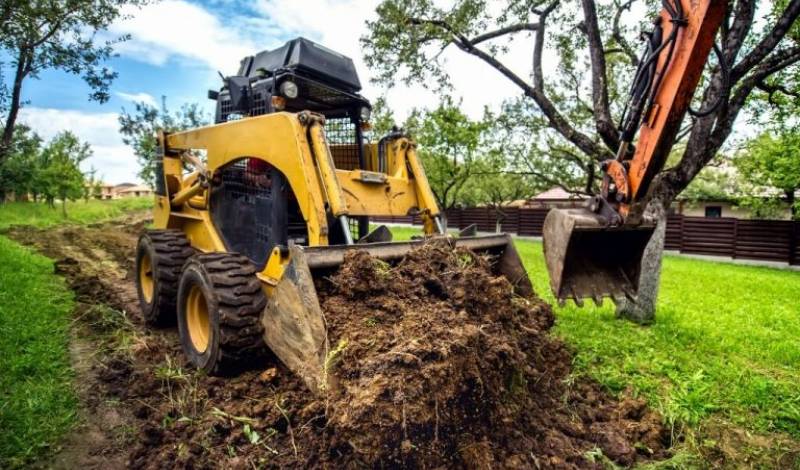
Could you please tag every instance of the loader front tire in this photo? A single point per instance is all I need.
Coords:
(220, 302)
(160, 255)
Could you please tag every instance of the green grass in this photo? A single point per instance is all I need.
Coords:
(725, 344)
(80, 212)
(37, 402)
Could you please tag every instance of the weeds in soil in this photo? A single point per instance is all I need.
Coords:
(180, 389)
(288, 424)
(382, 268)
(331, 359)
(465, 260)
(115, 333)
(248, 429)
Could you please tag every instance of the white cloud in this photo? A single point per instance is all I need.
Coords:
(142, 97)
(177, 28)
(339, 24)
(184, 31)
(114, 160)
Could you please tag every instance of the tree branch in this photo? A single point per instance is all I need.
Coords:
(602, 111)
(557, 121)
(617, 34)
(773, 89)
(536, 92)
(503, 31)
(743, 21)
(769, 42)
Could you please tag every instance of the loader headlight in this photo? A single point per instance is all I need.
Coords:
(289, 90)
(365, 113)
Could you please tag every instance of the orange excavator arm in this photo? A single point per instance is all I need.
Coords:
(596, 252)
(687, 29)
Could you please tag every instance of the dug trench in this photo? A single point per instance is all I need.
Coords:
(434, 363)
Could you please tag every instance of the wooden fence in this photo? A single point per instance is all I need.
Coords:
(768, 240)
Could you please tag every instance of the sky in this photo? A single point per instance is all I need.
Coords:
(177, 48)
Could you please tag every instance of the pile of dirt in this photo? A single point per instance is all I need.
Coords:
(440, 363)
(434, 362)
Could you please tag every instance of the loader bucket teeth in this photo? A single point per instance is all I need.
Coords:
(587, 259)
(294, 323)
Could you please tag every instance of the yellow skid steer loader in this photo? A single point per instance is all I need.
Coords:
(251, 209)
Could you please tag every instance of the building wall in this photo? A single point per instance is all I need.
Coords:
(135, 193)
(728, 210)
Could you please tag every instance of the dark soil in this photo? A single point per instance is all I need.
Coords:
(434, 362)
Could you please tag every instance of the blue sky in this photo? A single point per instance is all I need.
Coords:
(178, 46)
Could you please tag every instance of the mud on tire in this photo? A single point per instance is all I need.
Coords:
(160, 255)
(226, 287)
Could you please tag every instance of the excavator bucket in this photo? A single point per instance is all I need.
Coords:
(294, 324)
(587, 258)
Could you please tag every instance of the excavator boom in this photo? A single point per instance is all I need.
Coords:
(596, 251)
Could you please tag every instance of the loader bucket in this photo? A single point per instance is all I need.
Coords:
(294, 324)
(587, 258)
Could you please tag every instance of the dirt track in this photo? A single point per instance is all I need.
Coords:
(437, 370)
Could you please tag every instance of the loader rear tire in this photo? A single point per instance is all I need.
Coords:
(160, 256)
(220, 302)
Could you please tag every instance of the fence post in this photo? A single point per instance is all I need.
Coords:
(682, 244)
(793, 243)
(735, 238)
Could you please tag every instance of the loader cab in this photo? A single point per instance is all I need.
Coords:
(254, 206)
(302, 75)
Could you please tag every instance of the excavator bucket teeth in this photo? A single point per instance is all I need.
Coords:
(294, 323)
(588, 259)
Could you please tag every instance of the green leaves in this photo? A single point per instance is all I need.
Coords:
(771, 162)
(139, 130)
(40, 35)
(59, 175)
(451, 146)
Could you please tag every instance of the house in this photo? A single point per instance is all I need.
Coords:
(729, 207)
(133, 191)
(709, 208)
(110, 191)
(106, 191)
(555, 197)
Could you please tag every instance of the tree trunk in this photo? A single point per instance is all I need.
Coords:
(443, 219)
(64, 207)
(13, 109)
(643, 311)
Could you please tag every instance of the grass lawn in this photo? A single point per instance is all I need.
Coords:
(80, 212)
(725, 347)
(37, 402)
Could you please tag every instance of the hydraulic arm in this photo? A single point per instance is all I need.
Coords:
(596, 252)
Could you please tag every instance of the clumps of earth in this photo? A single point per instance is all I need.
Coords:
(435, 362)
(442, 363)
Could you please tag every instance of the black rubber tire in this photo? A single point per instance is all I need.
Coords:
(168, 251)
(235, 302)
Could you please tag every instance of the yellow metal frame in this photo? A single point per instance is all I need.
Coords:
(295, 144)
